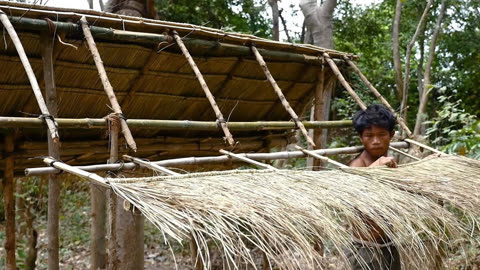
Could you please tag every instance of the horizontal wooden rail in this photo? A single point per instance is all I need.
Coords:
(89, 123)
(213, 159)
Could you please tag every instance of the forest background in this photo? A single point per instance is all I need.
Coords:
(450, 120)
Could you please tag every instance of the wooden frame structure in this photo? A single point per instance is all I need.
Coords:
(254, 58)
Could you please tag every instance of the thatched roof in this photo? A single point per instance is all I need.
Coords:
(152, 80)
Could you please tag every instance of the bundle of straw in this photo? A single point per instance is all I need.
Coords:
(283, 213)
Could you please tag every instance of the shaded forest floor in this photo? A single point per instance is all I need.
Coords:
(75, 250)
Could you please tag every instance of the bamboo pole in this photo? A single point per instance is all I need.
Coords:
(322, 158)
(31, 77)
(399, 119)
(9, 204)
(342, 80)
(195, 45)
(54, 183)
(403, 153)
(99, 123)
(106, 83)
(280, 95)
(212, 159)
(247, 160)
(150, 165)
(203, 84)
(60, 166)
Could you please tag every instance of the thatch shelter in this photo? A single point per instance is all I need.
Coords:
(176, 90)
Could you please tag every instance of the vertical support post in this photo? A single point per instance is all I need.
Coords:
(9, 202)
(53, 151)
(126, 231)
(321, 112)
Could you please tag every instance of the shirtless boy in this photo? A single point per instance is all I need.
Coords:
(375, 126)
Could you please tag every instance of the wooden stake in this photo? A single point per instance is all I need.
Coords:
(31, 77)
(9, 204)
(54, 183)
(399, 119)
(342, 80)
(321, 112)
(322, 158)
(150, 165)
(280, 95)
(113, 260)
(106, 83)
(203, 84)
(247, 160)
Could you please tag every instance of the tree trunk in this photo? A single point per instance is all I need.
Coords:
(90, 4)
(422, 108)
(136, 8)
(9, 203)
(397, 64)
(275, 16)
(319, 21)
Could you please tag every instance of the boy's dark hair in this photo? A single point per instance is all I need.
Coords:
(374, 115)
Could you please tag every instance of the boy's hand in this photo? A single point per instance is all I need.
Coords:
(388, 161)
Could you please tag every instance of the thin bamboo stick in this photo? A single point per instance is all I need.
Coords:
(9, 204)
(150, 165)
(247, 160)
(280, 95)
(403, 153)
(425, 146)
(106, 83)
(93, 123)
(31, 77)
(203, 84)
(95, 178)
(212, 159)
(322, 158)
(399, 119)
(342, 80)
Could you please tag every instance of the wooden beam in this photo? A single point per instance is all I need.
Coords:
(280, 95)
(9, 204)
(54, 183)
(399, 119)
(322, 158)
(215, 159)
(203, 84)
(31, 77)
(106, 83)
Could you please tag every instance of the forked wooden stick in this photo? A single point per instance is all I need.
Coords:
(322, 158)
(203, 84)
(106, 84)
(52, 126)
(95, 178)
(248, 160)
(399, 119)
(150, 165)
(281, 96)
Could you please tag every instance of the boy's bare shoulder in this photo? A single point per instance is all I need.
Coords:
(358, 162)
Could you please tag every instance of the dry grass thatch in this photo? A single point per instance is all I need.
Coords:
(284, 212)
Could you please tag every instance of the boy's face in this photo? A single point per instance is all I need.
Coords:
(376, 140)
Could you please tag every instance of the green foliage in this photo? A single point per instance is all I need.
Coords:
(247, 16)
(453, 129)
